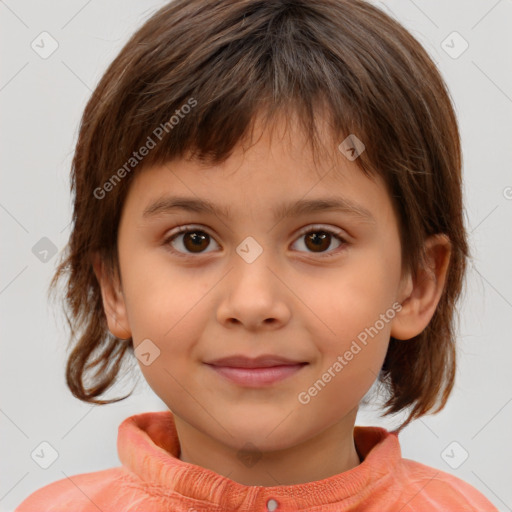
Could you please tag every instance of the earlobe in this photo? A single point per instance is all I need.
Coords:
(423, 295)
(113, 300)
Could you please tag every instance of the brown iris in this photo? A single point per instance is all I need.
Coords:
(193, 240)
(197, 241)
(318, 240)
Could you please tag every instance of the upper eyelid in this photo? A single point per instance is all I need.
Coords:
(342, 234)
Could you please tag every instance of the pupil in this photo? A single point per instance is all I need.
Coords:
(319, 240)
(195, 239)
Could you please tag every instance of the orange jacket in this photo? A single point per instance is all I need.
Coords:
(153, 479)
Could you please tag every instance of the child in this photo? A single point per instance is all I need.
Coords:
(312, 150)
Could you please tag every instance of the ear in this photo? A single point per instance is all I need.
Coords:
(113, 300)
(420, 297)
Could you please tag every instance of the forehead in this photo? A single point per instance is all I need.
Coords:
(276, 167)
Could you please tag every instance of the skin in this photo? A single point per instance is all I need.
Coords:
(291, 301)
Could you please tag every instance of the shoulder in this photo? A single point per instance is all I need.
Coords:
(432, 489)
(79, 493)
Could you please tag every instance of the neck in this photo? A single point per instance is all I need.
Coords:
(329, 453)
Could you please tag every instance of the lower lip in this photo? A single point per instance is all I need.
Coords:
(256, 377)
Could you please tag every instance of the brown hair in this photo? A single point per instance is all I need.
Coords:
(240, 58)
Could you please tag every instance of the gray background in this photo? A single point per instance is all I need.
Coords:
(41, 101)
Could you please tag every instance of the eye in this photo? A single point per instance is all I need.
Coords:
(188, 240)
(318, 240)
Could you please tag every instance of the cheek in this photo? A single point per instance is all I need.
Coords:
(354, 297)
(162, 298)
(356, 323)
(351, 358)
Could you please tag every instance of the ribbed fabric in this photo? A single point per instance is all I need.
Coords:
(152, 478)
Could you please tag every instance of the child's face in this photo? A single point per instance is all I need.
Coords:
(209, 301)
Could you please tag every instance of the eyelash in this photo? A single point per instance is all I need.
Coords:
(314, 228)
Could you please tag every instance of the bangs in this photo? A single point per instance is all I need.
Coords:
(199, 99)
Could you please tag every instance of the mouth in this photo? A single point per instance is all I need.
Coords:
(256, 372)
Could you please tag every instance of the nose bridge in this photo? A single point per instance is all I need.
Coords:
(253, 294)
(252, 265)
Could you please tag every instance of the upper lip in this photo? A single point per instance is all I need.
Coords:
(265, 361)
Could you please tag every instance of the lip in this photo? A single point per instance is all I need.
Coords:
(263, 361)
(257, 377)
(256, 372)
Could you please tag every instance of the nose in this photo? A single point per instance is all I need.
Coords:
(254, 295)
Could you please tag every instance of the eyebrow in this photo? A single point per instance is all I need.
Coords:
(167, 205)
